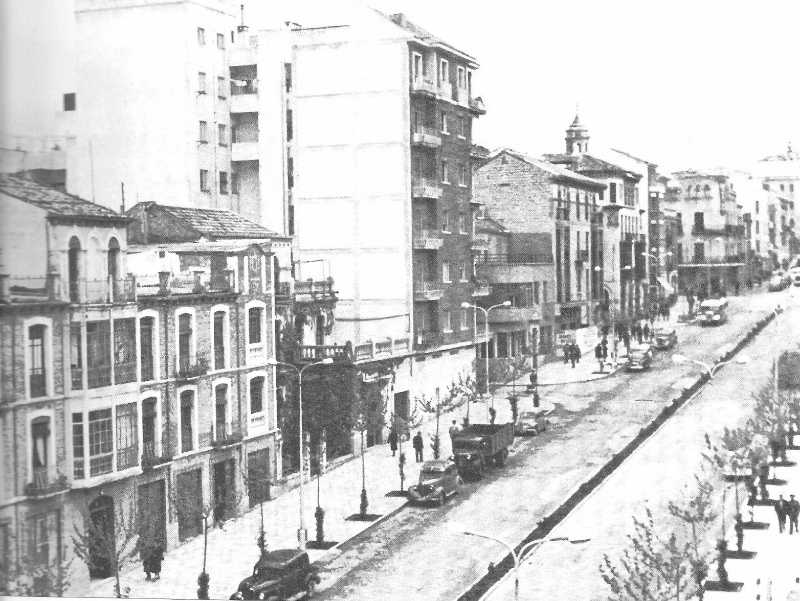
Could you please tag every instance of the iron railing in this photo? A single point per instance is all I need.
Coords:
(46, 481)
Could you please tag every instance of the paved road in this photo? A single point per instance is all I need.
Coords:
(412, 556)
(657, 473)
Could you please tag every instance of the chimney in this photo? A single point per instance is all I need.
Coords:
(242, 27)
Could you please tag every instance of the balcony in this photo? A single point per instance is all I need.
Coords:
(500, 315)
(426, 137)
(481, 290)
(428, 291)
(30, 290)
(310, 290)
(315, 353)
(476, 106)
(98, 376)
(381, 349)
(582, 256)
(244, 103)
(424, 87)
(426, 188)
(151, 458)
(198, 282)
(428, 240)
(480, 242)
(127, 458)
(47, 482)
(191, 366)
(244, 151)
(225, 436)
(427, 339)
(90, 292)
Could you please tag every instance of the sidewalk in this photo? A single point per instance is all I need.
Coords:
(776, 564)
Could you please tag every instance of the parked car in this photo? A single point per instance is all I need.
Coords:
(278, 576)
(713, 311)
(531, 422)
(437, 481)
(778, 282)
(664, 338)
(640, 358)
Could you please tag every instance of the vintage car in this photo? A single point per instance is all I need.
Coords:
(640, 358)
(531, 422)
(713, 311)
(437, 481)
(280, 575)
(664, 338)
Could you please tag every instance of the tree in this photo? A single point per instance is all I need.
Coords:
(368, 415)
(30, 578)
(106, 538)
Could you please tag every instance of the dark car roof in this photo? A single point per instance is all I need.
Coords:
(279, 558)
(438, 465)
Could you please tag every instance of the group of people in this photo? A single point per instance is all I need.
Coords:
(572, 354)
(787, 509)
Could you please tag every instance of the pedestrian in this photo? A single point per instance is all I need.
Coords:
(576, 351)
(146, 554)
(646, 332)
(454, 429)
(736, 287)
(570, 350)
(639, 333)
(156, 559)
(781, 509)
(418, 445)
(690, 301)
(393, 441)
(793, 510)
(567, 352)
(534, 378)
(492, 415)
(598, 354)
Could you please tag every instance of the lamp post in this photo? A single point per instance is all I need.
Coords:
(466, 305)
(518, 556)
(711, 370)
(301, 532)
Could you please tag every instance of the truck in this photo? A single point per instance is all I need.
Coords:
(479, 446)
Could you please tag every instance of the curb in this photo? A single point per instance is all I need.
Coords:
(584, 381)
(481, 587)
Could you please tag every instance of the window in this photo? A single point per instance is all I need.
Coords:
(446, 221)
(782, 188)
(462, 271)
(461, 127)
(445, 179)
(204, 180)
(221, 41)
(187, 417)
(201, 36)
(101, 444)
(791, 187)
(445, 129)
(223, 182)
(536, 292)
(544, 292)
(222, 134)
(289, 124)
(77, 446)
(44, 529)
(220, 323)
(290, 172)
(446, 272)
(98, 353)
(444, 71)
(612, 193)
(76, 355)
(463, 320)
(37, 375)
(462, 77)
(257, 394)
(234, 182)
(416, 66)
(149, 427)
(201, 82)
(699, 252)
(447, 319)
(146, 348)
(221, 410)
(462, 174)
(185, 341)
(254, 324)
(221, 87)
(124, 350)
(69, 101)
(40, 452)
(287, 75)
(757, 205)
(757, 228)
(127, 436)
(462, 223)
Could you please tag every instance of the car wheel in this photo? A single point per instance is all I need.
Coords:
(311, 588)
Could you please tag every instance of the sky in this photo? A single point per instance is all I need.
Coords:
(683, 84)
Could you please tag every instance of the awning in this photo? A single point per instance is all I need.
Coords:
(665, 285)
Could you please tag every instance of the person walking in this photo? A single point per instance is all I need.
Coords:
(793, 510)
(781, 509)
(155, 560)
(146, 555)
(639, 332)
(454, 429)
(570, 350)
(598, 354)
(567, 353)
(576, 351)
(418, 446)
(646, 332)
(393, 441)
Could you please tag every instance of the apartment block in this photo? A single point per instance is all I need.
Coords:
(549, 214)
(134, 373)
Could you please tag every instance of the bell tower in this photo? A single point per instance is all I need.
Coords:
(577, 137)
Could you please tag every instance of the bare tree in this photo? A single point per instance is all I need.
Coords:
(108, 540)
(31, 578)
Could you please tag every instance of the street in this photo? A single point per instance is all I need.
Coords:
(413, 556)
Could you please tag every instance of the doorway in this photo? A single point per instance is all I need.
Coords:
(103, 548)
(153, 513)
(224, 490)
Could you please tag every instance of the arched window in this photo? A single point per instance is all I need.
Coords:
(187, 420)
(73, 267)
(113, 259)
(37, 355)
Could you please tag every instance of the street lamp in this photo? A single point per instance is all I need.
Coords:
(711, 370)
(302, 535)
(466, 305)
(518, 556)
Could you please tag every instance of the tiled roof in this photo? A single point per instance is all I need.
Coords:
(55, 202)
(588, 163)
(550, 168)
(219, 223)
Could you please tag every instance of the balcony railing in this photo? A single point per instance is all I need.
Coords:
(98, 376)
(191, 366)
(428, 240)
(243, 86)
(426, 339)
(428, 291)
(314, 290)
(151, 457)
(318, 352)
(381, 348)
(426, 188)
(185, 283)
(426, 136)
(423, 86)
(481, 290)
(29, 289)
(516, 259)
(476, 106)
(480, 242)
(77, 378)
(46, 481)
(225, 435)
(102, 291)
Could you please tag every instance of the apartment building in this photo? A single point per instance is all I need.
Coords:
(713, 242)
(137, 381)
(624, 204)
(549, 213)
(755, 202)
